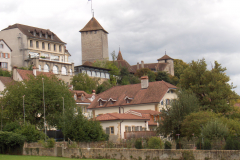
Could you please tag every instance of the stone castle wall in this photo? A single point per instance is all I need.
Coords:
(94, 46)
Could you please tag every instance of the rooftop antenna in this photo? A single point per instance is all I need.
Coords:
(91, 8)
(165, 52)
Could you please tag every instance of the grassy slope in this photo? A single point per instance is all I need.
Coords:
(14, 157)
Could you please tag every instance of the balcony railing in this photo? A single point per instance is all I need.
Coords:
(48, 58)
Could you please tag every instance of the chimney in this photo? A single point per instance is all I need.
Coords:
(14, 73)
(93, 92)
(34, 71)
(137, 65)
(142, 64)
(144, 82)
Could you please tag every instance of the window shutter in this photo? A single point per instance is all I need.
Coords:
(141, 129)
(8, 55)
(3, 55)
(107, 130)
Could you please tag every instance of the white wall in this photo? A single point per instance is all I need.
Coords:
(170, 96)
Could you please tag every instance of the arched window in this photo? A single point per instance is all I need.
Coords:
(55, 69)
(70, 71)
(37, 44)
(46, 68)
(31, 43)
(64, 71)
(43, 45)
(39, 68)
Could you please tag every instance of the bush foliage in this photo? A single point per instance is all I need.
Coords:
(155, 143)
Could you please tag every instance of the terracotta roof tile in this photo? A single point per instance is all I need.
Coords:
(153, 94)
(119, 116)
(165, 57)
(155, 66)
(6, 80)
(119, 57)
(151, 112)
(28, 31)
(93, 25)
(25, 73)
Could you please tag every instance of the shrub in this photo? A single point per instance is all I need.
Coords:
(12, 127)
(206, 146)
(138, 144)
(11, 143)
(188, 155)
(155, 143)
(232, 144)
(50, 143)
(167, 145)
(179, 145)
(31, 133)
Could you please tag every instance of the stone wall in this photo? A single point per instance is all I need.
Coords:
(133, 154)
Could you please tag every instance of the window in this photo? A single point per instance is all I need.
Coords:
(46, 35)
(49, 46)
(43, 45)
(60, 48)
(4, 65)
(40, 34)
(111, 130)
(64, 71)
(37, 45)
(54, 47)
(127, 128)
(39, 67)
(1, 45)
(46, 68)
(100, 103)
(34, 33)
(89, 73)
(167, 101)
(2, 55)
(55, 69)
(51, 36)
(70, 71)
(6, 55)
(31, 43)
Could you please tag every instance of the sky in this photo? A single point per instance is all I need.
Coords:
(144, 30)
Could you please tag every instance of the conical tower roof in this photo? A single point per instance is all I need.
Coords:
(165, 57)
(93, 25)
(120, 56)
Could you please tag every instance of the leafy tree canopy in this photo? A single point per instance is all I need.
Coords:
(32, 90)
(146, 72)
(83, 82)
(5, 73)
(174, 115)
(210, 86)
(103, 87)
(162, 75)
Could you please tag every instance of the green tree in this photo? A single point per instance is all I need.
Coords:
(174, 115)
(210, 86)
(162, 75)
(215, 129)
(79, 129)
(179, 67)
(194, 121)
(103, 87)
(125, 77)
(32, 88)
(146, 72)
(83, 82)
(5, 73)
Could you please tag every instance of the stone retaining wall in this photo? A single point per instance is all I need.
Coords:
(133, 154)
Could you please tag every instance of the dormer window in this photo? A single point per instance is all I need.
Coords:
(101, 101)
(51, 36)
(128, 99)
(82, 97)
(34, 33)
(40, 34)
(111, 101)
(46, 35)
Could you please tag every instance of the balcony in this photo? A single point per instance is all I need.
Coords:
(47, 58)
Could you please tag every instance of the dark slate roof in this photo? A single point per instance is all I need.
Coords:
(93, 25)
(28, 31)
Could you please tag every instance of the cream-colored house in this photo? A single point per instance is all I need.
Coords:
(145, 96)
(5, 56)
(38, 47)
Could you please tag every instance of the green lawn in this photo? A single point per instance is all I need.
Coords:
(14, 157)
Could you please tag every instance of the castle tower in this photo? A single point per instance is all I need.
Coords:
(94, 42)
(170, 63)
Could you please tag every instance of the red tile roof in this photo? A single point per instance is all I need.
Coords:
(93, 25)
(165, 57)
(79, 96)
(119, 57)
(26, 73)
(28, 31)
(6, 80)
(151, 112)
(119, 116)
(153, 94)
